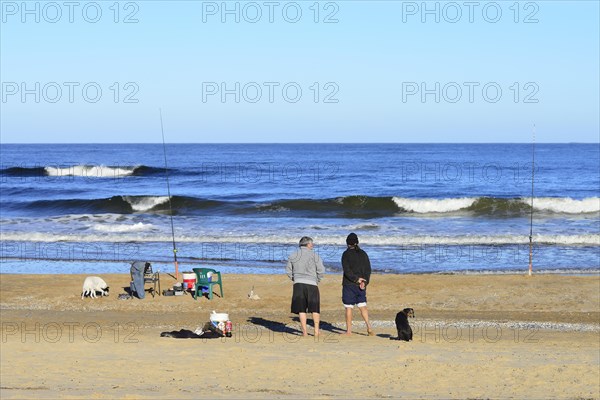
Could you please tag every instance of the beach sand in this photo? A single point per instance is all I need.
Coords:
(475, 336)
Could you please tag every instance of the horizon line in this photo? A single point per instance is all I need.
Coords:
(289, 143)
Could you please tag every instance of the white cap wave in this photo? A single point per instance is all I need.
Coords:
(423, 206)
(145, 203)
(90, 171)
(561, 205)
(566, 205)
(120, 228)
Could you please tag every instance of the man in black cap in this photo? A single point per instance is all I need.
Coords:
(357, 273)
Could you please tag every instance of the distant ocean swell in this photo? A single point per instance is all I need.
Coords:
(343, 207)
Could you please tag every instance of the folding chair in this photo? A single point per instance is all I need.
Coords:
(141, 274)
(152, 278)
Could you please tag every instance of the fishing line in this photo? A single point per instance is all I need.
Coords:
(169, 195)
(531, 210)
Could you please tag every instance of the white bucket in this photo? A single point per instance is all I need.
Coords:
(219, 317)
(189, 278)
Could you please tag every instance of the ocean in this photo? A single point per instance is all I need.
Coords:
(242, 208)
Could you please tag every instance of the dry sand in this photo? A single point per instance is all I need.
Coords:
(475, 336)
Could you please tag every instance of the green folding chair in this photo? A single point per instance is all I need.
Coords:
(202, 280)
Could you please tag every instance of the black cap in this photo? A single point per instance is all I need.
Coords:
(352, 239)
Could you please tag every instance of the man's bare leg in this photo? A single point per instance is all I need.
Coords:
(365, 314)
(302, 317)
(316, 320)
(348, 321)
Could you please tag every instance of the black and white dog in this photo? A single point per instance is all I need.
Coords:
(402, 325)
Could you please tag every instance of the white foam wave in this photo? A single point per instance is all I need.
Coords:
(559, 205)
(395, 241)
(485, 240)
(557, 271)
(141, 204)
(90, 171)
(422, 206)
(566, 205)
(120, 228)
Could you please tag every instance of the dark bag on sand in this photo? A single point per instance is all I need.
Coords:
(187, 334)
(209, 331)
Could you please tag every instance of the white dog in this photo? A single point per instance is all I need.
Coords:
(93, 284)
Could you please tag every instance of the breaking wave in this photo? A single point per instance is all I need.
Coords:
(499, 206)
(86, 171)
(341, 207)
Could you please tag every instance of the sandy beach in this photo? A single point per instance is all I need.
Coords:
(475, 336)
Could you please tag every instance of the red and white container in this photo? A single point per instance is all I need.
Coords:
(189, 280)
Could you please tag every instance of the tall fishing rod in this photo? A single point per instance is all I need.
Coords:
(169, 194)
(531, 210)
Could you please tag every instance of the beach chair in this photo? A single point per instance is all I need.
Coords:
(152, 278)
(142, 274)
(203, 280)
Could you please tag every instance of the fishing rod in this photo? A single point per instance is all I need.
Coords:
(531, 210)
(169, 194)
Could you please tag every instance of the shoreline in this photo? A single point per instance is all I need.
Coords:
(275, 268)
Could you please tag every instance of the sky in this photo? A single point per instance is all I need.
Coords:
(303, 71)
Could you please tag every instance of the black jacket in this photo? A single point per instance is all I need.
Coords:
(356, 265)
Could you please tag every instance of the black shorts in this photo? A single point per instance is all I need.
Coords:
(306, 298)
(352, 295)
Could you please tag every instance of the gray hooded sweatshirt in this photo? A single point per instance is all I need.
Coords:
(305, 266)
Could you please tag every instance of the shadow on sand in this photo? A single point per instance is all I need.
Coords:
(292, 327)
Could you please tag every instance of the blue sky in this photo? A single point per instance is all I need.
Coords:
(356, 71)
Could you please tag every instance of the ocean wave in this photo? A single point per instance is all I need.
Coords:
(123, 205)
(90, 171)
(362, 207)
(422, 206)
(142, 234)
(362, 227)
(145, 203)
(86, 171)
(369, 207)
(499, 206)
(542, 271)
(23, 172)
(121, 228)
(567, 205)
(348, 206)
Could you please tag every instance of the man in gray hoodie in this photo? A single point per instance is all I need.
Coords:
(305, 268)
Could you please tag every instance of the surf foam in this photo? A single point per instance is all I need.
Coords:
(91, 171)
(423, 206)
(566, 205)
(145, 203)
(120, 228)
